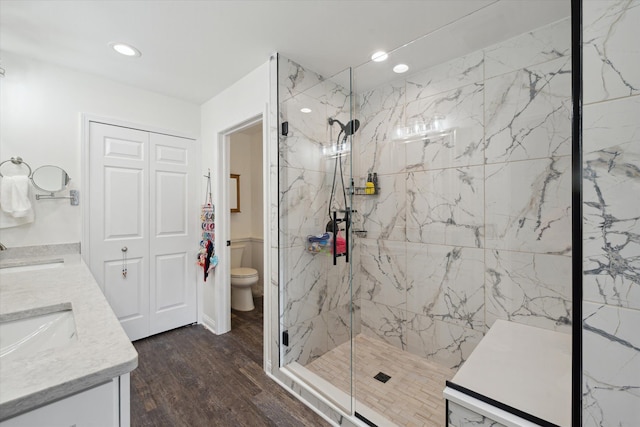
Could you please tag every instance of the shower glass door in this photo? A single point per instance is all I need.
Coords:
(470, 222)
(314, 179)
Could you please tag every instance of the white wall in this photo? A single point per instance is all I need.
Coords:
(257, 193)
(242, 101)
(240, 164)
(40, 121)
(246, 160)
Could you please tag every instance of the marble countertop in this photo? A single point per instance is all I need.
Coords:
(524, 367)
(101, 352)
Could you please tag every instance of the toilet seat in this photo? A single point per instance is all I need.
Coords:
(243, 272)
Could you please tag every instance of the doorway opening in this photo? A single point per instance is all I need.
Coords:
(246, 224)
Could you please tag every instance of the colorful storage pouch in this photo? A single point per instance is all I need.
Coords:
(320, 243)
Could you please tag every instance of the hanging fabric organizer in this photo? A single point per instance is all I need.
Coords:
(207, 257)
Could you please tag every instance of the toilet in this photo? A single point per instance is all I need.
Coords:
(242, 279)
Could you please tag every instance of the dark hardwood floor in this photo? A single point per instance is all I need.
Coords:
(191, 377)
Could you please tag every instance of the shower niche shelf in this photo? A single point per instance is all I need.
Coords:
(361, 191)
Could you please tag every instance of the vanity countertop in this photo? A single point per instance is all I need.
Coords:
(102, 350)
(523, 367)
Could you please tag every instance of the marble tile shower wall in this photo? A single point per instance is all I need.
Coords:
(611, 209)
(315, 297)
(477, 227)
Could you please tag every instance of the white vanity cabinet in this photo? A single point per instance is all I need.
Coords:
(103, 405)
(80, 381)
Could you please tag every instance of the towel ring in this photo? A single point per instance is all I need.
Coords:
(16, 161)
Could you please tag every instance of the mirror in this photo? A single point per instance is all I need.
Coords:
(234, 192)
(50, 178)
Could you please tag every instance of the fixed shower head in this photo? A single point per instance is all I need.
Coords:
(349, 129)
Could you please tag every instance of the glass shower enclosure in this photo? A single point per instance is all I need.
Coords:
(451, 196)
(315, 218)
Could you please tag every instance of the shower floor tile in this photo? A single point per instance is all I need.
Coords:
(413, 395)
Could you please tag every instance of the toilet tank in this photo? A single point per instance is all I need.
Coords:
(236, 255)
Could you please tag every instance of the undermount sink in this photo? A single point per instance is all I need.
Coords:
(29, 335)
(58, 263)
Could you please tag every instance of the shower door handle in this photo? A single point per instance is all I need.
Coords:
(335, 238)
(335, 221)
(347, 221)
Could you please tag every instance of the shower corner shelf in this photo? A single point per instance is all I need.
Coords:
(361, 191)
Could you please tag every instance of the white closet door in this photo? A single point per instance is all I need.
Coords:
(119, 218)
(142, 198)
(172, 240)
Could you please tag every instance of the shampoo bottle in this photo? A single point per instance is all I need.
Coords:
(369, 188)
(375, 183)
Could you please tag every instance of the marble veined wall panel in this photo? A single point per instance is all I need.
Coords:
(532, 213)
(462, 109)
(528, 113)
(294, 79)
(442, 342)
(611, 58)
(384, 216)
(308, 133)
(452, 74)
(529, 288)
(305, 286)
(611, 366)
(308, 340)
(390, 96)
(302, 206)
(535, 47)
(611, 200)
(374, 148)
(384, 323)
(446, 283)
(446, 206)
(383, 272)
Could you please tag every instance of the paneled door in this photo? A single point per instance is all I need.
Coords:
(141, 225)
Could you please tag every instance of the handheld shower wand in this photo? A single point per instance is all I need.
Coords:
(349, 129)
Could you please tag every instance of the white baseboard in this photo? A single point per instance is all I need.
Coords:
(209, 323)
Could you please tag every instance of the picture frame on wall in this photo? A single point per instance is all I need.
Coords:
(234, 193)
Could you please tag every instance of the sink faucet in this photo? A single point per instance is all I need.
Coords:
(2, 247)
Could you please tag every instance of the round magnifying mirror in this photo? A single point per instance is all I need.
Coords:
(50, 178)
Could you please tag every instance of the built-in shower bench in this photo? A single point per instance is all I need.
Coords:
(518, 375)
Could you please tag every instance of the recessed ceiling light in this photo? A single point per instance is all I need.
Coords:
(125, 49)
(379, 56)
(401, 68)
(305, 110)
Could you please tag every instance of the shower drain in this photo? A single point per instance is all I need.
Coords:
(382, 377)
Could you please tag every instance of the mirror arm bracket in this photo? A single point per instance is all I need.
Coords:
(74, 196)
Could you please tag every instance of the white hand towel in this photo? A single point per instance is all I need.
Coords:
(14, 196)
(20, 197)
(8, 220)
(7, 217)
(6, 194)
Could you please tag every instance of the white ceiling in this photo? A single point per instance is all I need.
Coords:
(193, 50)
